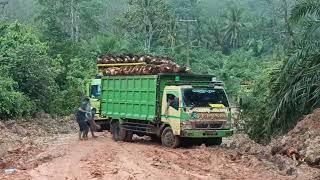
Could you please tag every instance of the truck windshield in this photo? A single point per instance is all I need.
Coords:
(95, 91)
(204, 97)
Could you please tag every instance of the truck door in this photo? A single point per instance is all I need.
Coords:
(171, 110)
(95, 96)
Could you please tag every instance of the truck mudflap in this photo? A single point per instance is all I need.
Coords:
(195, 133)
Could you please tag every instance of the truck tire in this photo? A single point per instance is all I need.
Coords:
(128, 136)
(168, 139)
(213, 141)
(117, 133)
(120, 134)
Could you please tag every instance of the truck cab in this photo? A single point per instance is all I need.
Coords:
(197, 112)
(94, 92)
(95, 95)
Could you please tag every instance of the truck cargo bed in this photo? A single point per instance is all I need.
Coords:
(130, 97)
(138, 97)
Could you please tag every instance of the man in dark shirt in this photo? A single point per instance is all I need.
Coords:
(82, 118)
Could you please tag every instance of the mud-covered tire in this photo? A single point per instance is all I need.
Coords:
(116, 131)
(128, 136)
(168, 139)
(217, 141)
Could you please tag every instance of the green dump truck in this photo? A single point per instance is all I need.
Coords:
(175, 108)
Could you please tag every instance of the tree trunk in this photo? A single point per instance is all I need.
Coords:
(72, 19)
(3, 6)
(274, 17)
(289, 32)
(150, 37)
(148, 26)
(77, 23)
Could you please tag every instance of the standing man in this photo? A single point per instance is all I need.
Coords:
(81, 117)
(86, 107)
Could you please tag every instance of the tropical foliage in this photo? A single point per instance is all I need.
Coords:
(296, 89)
(266, 51)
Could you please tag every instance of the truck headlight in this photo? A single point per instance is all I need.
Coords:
(186, 125)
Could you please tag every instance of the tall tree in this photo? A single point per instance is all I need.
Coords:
(234, 26)
(289, 31)
(148, 19)
(74, 19)
(3, 5)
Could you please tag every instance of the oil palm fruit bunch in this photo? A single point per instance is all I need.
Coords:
(138, 65)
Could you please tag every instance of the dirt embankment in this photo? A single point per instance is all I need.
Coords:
(297, 153)
(21, 140)
(303, 142)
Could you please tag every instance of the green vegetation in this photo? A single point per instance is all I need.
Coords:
(48, 50)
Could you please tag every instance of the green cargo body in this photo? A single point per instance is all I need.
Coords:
(139, 97)
(130, 97)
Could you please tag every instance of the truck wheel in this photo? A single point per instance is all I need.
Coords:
(213, 141)
(115, 130)
(118, 134)
(128, 136)
(168, 139)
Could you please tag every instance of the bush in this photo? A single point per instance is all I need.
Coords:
(257, 103)
(13, 103)
(28, 68)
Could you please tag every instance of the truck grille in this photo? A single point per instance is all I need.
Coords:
(215, 125)
(206, 116)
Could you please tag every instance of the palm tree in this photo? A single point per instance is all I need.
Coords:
(296, 88)
(233, 27)
(307, 11)
(305, 8)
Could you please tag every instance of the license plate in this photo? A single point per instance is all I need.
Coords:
(210, 133)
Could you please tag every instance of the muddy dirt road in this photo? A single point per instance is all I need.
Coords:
(102, 158)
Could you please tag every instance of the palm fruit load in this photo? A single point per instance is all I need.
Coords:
(137, 65)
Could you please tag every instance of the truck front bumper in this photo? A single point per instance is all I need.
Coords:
(193, 133)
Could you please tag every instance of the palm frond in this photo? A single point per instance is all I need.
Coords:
(296, 90)
(304, 8)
